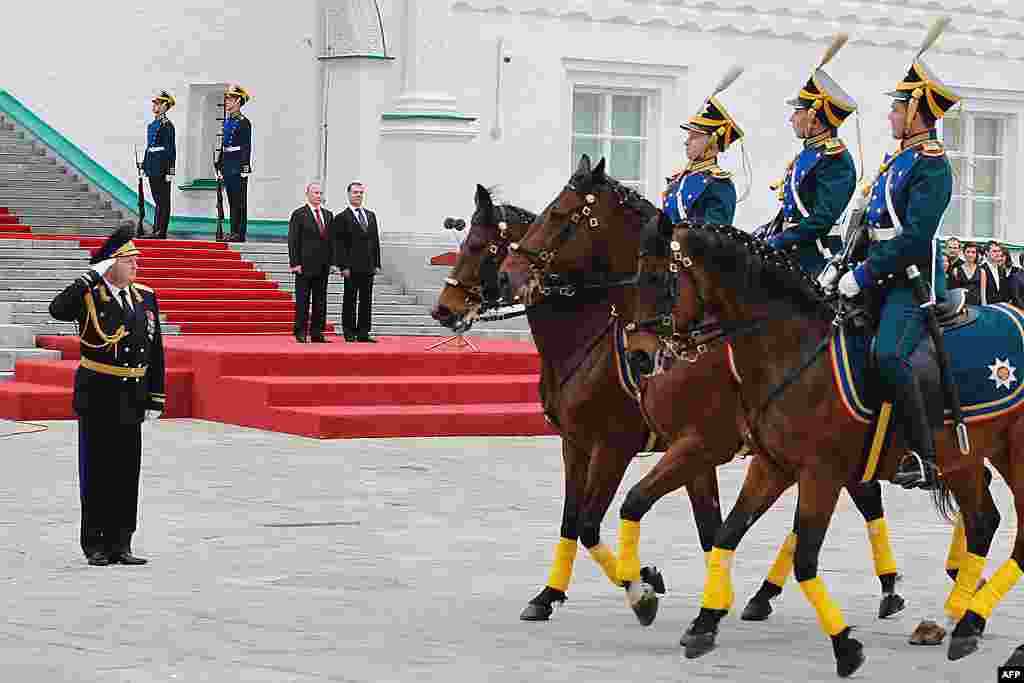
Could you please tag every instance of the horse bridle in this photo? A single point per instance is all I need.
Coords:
(541, 261)
(489, 264)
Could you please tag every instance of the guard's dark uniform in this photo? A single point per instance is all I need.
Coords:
(907, 201)
(234, 163)
(158, 165)
(703, 192)
(120, 376)
(819, 181)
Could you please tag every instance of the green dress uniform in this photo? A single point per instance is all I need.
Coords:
(119, 378)
(703, 193)
(906, 205)
(819, 181)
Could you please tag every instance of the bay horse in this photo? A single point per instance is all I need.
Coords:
(779, 324)
(601, 426)
(687, 406)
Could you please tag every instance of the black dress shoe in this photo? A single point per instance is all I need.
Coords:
(367, 339)
(320, 339)
(99, 559)
(349, 338)
(127, 558)
(299, 338)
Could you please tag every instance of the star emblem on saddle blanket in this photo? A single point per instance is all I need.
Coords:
(1003, 374)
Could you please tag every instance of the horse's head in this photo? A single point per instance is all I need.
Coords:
(472, 285)
(588, 237)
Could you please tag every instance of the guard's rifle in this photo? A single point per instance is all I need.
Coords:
(220, 200)
(139, 229)
(851, 229)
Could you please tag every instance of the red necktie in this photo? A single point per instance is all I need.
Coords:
(320, 224)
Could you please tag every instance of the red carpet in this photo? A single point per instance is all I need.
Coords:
(338, 390)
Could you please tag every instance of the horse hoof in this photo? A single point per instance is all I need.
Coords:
(961, 646)
(927, 633)
(643, 600)
(890, 605)
(687, 634)
(756, 610)
(534, 612)
(848, 664)
(653, 578)
(697, 644)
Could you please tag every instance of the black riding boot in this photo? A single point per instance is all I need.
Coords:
(917, 469)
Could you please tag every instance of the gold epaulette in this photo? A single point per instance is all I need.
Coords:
(834, 146)
(719, 173)
(933, 148)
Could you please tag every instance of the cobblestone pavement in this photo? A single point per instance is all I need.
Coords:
(279, 558)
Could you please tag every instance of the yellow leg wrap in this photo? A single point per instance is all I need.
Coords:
(561, 566)
(829, 616)
(707, 558)
(958, 546)
(629, 551)
(966, 584)
(998, 586)
(604, 556)
(881, 548)
(718, 593)
(783, 565)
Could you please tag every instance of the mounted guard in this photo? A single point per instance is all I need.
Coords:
(820, 180)
(703, 192)
(905, 207)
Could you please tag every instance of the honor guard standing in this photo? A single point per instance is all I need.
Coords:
(158, 164)
(820, 180)
(905, 207)
(703, 192)
(235, 158)
(119, 384)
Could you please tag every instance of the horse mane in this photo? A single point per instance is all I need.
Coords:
(757, 271)
(584, 181)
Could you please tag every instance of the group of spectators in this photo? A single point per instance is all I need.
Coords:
(987, 271)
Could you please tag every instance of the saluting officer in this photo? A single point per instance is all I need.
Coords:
(703, 192)
(235, 158)
(158, 164)
(906, 204)
(821, 179)
(119, 384)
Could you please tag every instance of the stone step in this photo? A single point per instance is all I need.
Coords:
(18, 147)
(29, 157)
(42, 249)
(8, 357)
(61, 217)
(39, 178)
(56, 194)
(38, 229)
(14, 335)
(6, 310)
(72, 202)
(337, 288)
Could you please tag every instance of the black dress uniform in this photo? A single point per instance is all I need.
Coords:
(234, 163)
(158, 164)
(120, 377)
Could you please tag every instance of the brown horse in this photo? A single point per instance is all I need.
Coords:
(779, 324)
(687, 406)
(601, 425)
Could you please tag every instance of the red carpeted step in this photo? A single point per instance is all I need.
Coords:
(223, 295)
(378, 390)
(159, 262)
(219, 255)
(143, 243)
(10, 230)
(150, 271)
(167, 306)
(223, 327)
(231, 316)
(390, 421)
(8, 219)
(26, 401)
(225, 282)
(4, 210)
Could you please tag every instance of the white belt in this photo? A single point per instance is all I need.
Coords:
(232, 149)
(883, 234)
(156, 149)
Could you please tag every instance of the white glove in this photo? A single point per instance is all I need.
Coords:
(828, 276)
(848, 286)
(153, 415)
(102, 267)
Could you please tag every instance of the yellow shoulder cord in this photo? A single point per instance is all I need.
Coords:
(91, 317)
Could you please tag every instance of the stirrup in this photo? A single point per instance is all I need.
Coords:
(917, 477)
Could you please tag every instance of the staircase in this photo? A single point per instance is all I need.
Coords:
(41, 196)
(17, 343)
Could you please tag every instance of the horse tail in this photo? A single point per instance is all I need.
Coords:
(944, 502)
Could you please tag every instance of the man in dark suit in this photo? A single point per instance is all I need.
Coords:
(357, 255)
(119, 384)
(310, 252)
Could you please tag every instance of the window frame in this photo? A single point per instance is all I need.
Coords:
(969, 158)
(606, 136)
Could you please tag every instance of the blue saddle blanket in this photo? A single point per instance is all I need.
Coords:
(986, 357)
